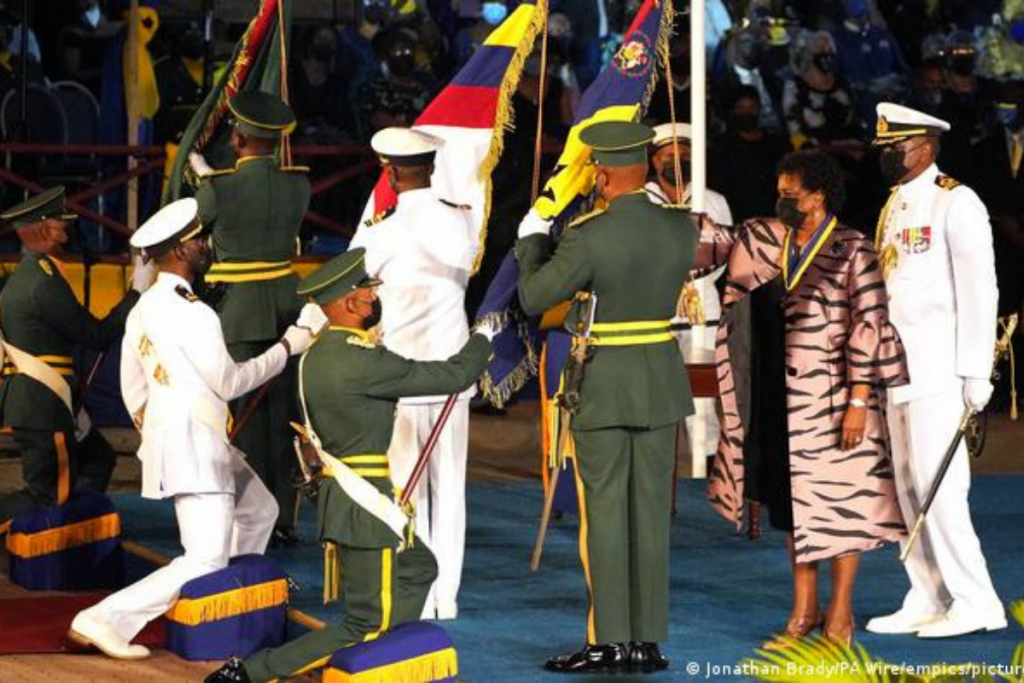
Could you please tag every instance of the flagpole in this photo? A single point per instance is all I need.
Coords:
(698, 116)
(132, 108)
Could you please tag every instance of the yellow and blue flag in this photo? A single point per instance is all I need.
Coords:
(620, 93)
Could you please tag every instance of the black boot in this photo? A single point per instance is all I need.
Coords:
(592, 658)
(646, 658)
(233, 671)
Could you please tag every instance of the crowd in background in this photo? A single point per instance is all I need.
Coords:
(787, 74)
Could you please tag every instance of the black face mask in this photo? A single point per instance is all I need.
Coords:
(745, 122)
(374, 318)
(402, 63)
(825, 62)
(891, 162)
(962, 66)
(669, 174)
(750, 55)
(200, 260)
(191, 45)
(787, 211)
(322, 52)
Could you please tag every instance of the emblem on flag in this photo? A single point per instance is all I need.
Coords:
(634, 59)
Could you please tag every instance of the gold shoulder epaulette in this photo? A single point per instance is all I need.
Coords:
(356, 340)
(580, 220)
(45, 266)
(460, 207)
(383, 215)
(295, 169)
(946, 182)
(185, 294)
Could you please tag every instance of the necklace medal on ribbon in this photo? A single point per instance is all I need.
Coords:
(796, 259)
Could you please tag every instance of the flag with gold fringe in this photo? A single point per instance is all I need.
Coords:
(471, 115)
(620, 93)
(256, 64)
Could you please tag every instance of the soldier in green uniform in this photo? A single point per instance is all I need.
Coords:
(635, 257)
(255, 210)
(42, 322)
(350, 387)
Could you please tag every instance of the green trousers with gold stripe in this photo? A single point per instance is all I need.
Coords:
(624, 483)
(381, 589)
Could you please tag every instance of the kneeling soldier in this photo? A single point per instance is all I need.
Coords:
(348, 387)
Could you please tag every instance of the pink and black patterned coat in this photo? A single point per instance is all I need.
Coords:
(837, 333)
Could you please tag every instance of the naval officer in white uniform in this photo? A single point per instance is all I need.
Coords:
(935, 249)
(697, 344)
(176, 380)
(424, 252)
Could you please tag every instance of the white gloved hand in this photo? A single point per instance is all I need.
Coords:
(312, 318)
(299, 339)
(533, 224)
(977, 392)
(488, 327)
(198, 163)
(143, 274)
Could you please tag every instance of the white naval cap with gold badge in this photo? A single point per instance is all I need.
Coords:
(665, 133)
(897, 123)
(405, 146)
(174, 224)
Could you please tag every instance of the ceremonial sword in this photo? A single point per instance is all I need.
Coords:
(568, 405)
(1002, 348)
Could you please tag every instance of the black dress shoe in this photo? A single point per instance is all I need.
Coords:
(646, 658)
(284, 537)
(233, 671)
(592, 658)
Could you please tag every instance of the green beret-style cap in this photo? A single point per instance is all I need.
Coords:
(261, 115)
(338, 277)
(618, 143)
(46, 204)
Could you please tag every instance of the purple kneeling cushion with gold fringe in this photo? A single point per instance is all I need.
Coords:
(233, 611)
(411, 653)
(74, 546)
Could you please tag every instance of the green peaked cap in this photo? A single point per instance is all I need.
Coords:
(46, 204)
(261, 115)
(338, 277)
(618, 143)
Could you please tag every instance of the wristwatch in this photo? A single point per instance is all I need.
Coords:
(858, 403)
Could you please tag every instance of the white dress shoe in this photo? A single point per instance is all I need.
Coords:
(902, 622)
(962, 622)
(89, 628)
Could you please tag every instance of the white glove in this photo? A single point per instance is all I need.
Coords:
(488, 327)
(977, 392)
(143, 274)
(299, 339)
(198, 163)
(533, 224)
(312, 318)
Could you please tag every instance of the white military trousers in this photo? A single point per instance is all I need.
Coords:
(946, 566)
(213, 528)
(440, 497)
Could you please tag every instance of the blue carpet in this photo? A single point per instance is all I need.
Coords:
(728, 593)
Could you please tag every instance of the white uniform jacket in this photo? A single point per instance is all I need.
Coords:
(423, 252)
(942, 291)
(176, 380)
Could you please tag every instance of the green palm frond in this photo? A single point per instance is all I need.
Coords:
(814, 659)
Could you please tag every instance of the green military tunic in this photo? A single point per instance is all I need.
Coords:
(351, 388)
(255, 211)
(635, 257)
(40, 315)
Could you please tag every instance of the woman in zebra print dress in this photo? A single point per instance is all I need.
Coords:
(823, 345)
